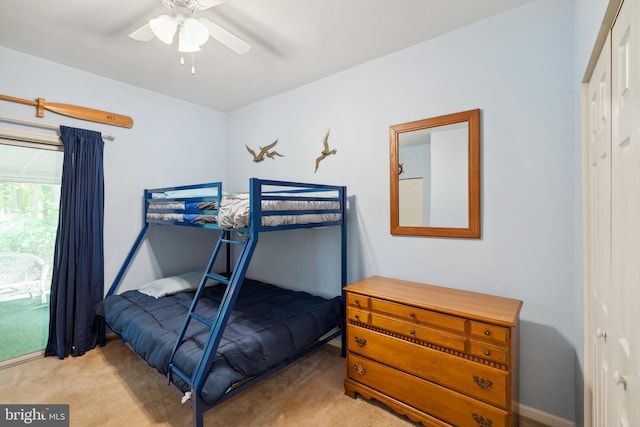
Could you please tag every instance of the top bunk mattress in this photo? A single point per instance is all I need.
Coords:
(235, 211)
(207, 205)
(267, 326)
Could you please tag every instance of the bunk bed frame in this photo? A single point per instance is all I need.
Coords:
(259, 191)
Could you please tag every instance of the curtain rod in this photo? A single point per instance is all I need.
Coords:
(105, 135)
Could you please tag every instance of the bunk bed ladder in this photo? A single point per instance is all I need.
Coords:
(217, 324)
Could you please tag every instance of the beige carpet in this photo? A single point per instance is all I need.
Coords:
(110, 386)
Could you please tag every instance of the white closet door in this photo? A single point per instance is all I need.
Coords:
(625, 217)
(598, 238)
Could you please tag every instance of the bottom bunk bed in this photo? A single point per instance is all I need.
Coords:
(213, 335)
(267, 327)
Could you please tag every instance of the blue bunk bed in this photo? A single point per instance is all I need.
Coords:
(231, 331)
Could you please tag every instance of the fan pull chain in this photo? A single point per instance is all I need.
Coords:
(193, 61)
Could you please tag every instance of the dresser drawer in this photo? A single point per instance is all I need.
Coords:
(480, 381)
(359, 301)
(358, 315)
(488, 332)
(423, 333)
(418, 315)
(442, 403)
(489, 351)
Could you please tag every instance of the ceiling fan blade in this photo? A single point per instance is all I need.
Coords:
(143, 34)
(225, 37)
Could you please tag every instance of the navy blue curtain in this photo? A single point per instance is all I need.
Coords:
(78, 267)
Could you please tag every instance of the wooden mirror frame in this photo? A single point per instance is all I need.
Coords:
(472, 117)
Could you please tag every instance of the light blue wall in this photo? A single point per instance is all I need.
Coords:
(518, 69)
(158, 151)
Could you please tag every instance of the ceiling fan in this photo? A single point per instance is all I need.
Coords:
(192, 31)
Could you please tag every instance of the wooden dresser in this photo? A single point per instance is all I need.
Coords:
(439, 356)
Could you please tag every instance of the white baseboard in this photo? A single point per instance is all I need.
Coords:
(544, 417)
(21, 359)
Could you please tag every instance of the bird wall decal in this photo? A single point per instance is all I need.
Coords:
(325, 152)
(272, 154)
(264, 151)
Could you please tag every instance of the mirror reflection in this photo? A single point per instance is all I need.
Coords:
(433, 186)
(435, 176)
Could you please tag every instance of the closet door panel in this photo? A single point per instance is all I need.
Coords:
(625, 215)
(598, 236)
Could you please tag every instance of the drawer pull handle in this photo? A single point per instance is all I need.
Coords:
(357, 316)
(412, 315)
(358, 302)
(361, 341)
(482, 421)
(487, 332)
(487, 353)
(412, 332)
(482, 382)
(360, 370)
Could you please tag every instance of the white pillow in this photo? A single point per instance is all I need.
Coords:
(173, 284)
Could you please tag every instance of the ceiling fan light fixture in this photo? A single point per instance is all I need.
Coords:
(164, 27)
(188, 48)
(192, 32)
(192, 35)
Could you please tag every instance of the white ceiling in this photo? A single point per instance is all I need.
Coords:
(294, 42)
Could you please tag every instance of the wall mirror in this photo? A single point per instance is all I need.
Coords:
(435, 176)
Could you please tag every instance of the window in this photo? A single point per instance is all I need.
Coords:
(29, 202)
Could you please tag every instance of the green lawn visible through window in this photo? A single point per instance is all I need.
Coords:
(29, 204)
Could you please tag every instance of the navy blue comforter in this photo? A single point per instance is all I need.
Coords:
(267, 326)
